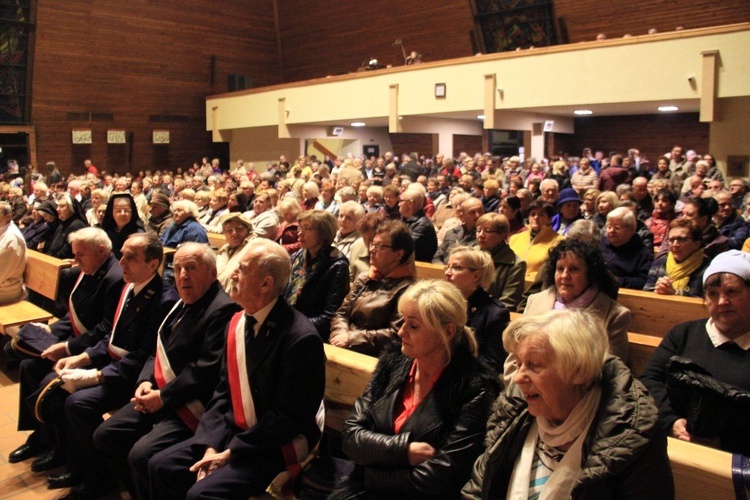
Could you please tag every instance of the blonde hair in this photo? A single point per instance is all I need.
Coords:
(476, 259)
(441, 304)
(578, 340)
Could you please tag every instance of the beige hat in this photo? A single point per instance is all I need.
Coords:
(238, 217)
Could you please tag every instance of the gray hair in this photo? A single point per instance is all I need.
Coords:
(577, 338)
(353, 208)
(625, 214)
(92, 237)
(273, 260)
(188, 206)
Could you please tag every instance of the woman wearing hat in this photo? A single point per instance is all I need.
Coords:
(719, 347)
(568, 211)
(238, 230)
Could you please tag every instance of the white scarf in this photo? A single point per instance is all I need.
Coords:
(575, 428)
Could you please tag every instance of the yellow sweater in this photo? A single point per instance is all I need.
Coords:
(534, 252)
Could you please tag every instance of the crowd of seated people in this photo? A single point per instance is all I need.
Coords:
(351, 231)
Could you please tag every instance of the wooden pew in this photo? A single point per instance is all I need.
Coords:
(699, 472)
(654, 314)
(216, 240)
(42, 275)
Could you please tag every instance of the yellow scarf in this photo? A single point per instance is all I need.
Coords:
(679, 272)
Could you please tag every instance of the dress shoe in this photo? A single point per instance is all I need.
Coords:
(24, 452)
(87, 490)
(50, 460)
(64, 480)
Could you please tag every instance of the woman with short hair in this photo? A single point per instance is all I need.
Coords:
(680, 271)
(320, 272)
(368, 319)
(420, 424)
(574, 423)
(349, 215)
(509, 278)
(713, 351)
(471, 271)
(532, 245)
(286, 235)
(185, 226)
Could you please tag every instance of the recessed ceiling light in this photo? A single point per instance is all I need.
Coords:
(667, 108)
(358, 124)
(480, 117)
(583, 112)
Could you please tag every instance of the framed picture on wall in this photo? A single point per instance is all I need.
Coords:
(737, 165)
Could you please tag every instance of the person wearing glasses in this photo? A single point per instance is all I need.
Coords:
(471, 271)
(368, 319)
(680, 271)
(121, 220)
(508, 280)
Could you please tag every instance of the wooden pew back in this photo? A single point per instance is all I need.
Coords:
(42, 273)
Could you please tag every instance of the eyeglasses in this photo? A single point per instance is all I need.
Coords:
(678, 239)
(455, 269)
(378, 247)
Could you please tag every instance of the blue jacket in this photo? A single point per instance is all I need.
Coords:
(190, 230)
(736, 230)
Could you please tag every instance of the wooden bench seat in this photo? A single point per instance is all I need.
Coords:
(42, 275)
(699, 472)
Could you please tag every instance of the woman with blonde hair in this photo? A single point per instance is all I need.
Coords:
(605, 203)
(420, 424)
(471, 271)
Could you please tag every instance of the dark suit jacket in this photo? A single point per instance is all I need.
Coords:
(95, 301)
(425, 237)
(488, 318)
(135, 332)
(194, 347)
(286, 366)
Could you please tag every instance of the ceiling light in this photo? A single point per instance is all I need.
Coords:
(480, 117)
(667, 108)
(583, 112)
(358, 124)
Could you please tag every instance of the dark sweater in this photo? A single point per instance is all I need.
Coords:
(727, 363)
(629, 262)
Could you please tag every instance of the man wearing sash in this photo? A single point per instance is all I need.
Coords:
(91, 307)
(262, 417)
(103, 377)
(177, 383)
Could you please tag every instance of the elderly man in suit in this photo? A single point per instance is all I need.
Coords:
(265, 415)
(177, 382)
(91, 307)
(102, 378)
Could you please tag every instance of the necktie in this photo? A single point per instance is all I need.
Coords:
(249, 329)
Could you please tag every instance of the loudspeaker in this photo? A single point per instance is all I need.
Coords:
(337, 131)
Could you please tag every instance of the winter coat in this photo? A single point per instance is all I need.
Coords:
(624, 453)
(451, 418)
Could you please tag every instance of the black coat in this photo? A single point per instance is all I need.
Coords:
(95, 301)
(325, 288)
(488, 318)
(286, 368)
(451, 418)
(194, 347)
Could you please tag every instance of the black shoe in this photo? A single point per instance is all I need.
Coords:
(50, 460)
(24, 452)
(64, 480)
(88, 491)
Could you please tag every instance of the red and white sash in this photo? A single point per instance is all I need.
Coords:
(117, 353)
(192, 411)
(78, 327)
(296, 451)
(239, 383)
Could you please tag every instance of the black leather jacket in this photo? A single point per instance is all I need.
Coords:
(451, 418)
